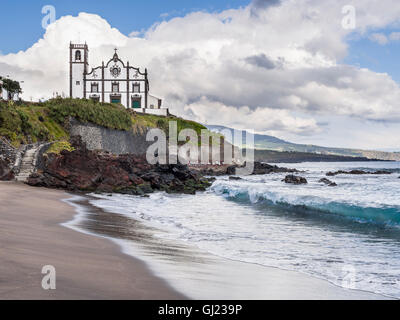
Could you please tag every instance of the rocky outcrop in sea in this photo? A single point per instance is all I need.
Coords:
(259, 168)
(327, 182)
(359, 172)
(294, 179)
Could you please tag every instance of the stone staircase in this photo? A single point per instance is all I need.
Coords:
(28, 163)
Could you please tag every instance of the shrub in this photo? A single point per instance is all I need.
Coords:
(103, 114)
(59, 146)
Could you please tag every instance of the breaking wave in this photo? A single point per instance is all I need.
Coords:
(355, 210)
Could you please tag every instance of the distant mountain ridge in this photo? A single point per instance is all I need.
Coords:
(266, 142)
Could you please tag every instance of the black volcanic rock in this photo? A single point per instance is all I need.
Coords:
(295, 179)
(328, 182)
(6, 173)
(259, 168)
(381, 172)
(358, 172)
(234, 178)
(231, 169)
(265, 168)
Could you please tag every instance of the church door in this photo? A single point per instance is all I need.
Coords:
(136, 103)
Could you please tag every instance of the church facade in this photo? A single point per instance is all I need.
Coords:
(112, 82)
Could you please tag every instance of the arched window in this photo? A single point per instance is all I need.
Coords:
(78, 55)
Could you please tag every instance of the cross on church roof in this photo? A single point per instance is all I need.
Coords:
(115, 57)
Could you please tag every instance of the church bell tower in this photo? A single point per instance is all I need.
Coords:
(78, 68)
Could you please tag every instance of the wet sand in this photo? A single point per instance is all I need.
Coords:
(87, 267)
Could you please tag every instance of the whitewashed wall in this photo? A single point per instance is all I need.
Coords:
(4, 94)
(159, 112)
(77, 74)
(152, 102)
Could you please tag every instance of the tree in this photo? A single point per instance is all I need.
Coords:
(12, 87)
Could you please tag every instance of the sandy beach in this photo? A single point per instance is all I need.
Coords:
(93, 267)
(87, 267)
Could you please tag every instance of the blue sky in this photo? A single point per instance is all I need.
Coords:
(24, 17)
(380, 58)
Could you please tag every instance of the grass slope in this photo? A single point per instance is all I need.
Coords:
(23, 123)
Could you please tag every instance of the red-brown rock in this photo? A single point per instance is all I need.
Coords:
(5, 172)
(87, 170)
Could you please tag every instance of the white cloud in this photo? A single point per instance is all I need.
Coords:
(260, 66)
(382, 39)
(394, 36)
(258, 119)
(134, 34)
(379, 38)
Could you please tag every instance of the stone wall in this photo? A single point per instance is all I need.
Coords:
(114, 141)
(8, 155)
(123, 142)
(7, 151)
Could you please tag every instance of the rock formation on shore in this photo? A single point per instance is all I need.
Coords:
(259, 168)
(265, 168)
(327, 182)
(234, 178)
(85, 170)
(294, 179)
(5, 172)
(330, 173)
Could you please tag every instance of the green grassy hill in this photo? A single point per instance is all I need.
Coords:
(25, 122)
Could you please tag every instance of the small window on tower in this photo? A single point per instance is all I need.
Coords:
(78, 83)
(78, 55)
(136, 88)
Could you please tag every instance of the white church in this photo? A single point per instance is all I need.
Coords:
(112, 82)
